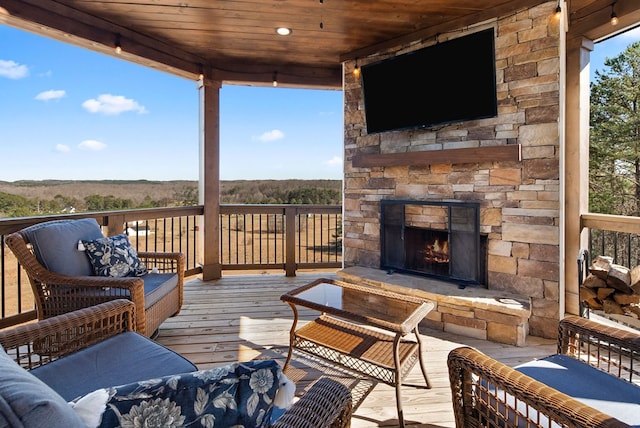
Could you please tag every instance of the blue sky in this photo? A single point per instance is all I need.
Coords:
(68, 113)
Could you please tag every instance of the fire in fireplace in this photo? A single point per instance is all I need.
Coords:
(439, 239)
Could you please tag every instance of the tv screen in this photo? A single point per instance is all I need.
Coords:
(452, 81)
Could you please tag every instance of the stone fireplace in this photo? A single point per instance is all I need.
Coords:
(509, 165)
(433, 239)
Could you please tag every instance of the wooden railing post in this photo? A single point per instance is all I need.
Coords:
(115, 224)
(290, 214)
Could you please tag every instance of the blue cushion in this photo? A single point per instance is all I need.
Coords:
(240, 394)
(158, 285)
(25, 401)
(593, 387)
(55, 244)
(121, 359)
(114, 256)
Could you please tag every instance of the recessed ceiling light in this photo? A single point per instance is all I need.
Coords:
(283, 31)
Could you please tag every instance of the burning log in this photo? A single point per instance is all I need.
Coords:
(436, 252)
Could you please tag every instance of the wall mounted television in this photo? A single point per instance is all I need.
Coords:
(449, 82)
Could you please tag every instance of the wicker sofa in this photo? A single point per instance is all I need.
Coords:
(589, 383)
(94, 353)
(63, 278)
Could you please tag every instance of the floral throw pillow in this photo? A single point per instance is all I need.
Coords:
(114, 256)
(237, 395)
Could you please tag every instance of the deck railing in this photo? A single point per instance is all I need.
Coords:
(253, 237)
(614, 236)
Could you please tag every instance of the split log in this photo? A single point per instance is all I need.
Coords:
(592, 281)
(590, 298)
(633, 311)
(605, 292)
(620, 278)
(626, 299)
(600, 266)
(611, 307)
(635, 279)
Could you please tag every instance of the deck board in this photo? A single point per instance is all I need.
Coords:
(241, 317)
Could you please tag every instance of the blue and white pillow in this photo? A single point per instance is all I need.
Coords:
(238, 395)
(114, 256)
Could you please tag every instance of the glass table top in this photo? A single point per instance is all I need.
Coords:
(357, 302)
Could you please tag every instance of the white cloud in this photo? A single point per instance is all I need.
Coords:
(51, 95)
(112, 105)
(13, 70)
(92, 145)
(334, 161)
(63, 148)
(272, 135)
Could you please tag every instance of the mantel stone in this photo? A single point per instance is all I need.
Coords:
(471, 311)
(509, 152)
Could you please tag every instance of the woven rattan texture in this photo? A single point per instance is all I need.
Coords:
(57, 294)
(35, 344)
(358, 348)
(312, 409)
(487, 393)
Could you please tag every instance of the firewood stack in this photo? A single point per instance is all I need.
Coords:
(612, 288)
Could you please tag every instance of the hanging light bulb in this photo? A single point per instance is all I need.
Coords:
(201, 74)
(118, 45)
(356, 70)
(275, 79)
(614, 16)
(558, 13)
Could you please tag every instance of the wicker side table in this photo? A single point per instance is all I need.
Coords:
(342, 334)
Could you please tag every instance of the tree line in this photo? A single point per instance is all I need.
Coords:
(323, 192)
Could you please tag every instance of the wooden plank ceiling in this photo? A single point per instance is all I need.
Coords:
(235, 40)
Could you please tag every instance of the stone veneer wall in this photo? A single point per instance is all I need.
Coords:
(519, 199)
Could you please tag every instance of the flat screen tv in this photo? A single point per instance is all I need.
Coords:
(449, 82)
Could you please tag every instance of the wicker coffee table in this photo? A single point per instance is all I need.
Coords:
(343, 333)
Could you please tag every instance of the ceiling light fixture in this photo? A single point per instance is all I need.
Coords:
(118, 45)
(356, 70)
(283, 31)
(201, 70)
(275, 79)
(614, 16)
(558, 12)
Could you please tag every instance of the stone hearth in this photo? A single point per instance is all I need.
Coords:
(508, 164)
(472, 311)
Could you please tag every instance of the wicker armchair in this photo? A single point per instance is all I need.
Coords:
(157, 295)
(487, 393)
(327, 403)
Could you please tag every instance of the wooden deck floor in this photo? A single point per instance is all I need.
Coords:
(241, 318)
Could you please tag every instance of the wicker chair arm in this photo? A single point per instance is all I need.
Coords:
(598, 334)
(475, 378)
(129, 283)
(35, 344)
(328, 403)
(164, 262)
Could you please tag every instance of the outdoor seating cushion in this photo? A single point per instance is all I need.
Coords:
(236, 395)
(158, 285)
(55, 244)
(596, 388)
(25, 401)
(121, 359)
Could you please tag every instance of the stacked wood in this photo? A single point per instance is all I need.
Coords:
(612, 288)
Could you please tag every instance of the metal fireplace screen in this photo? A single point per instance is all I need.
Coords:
(438, 239)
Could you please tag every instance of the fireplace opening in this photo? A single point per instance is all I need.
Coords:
(439, 239)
